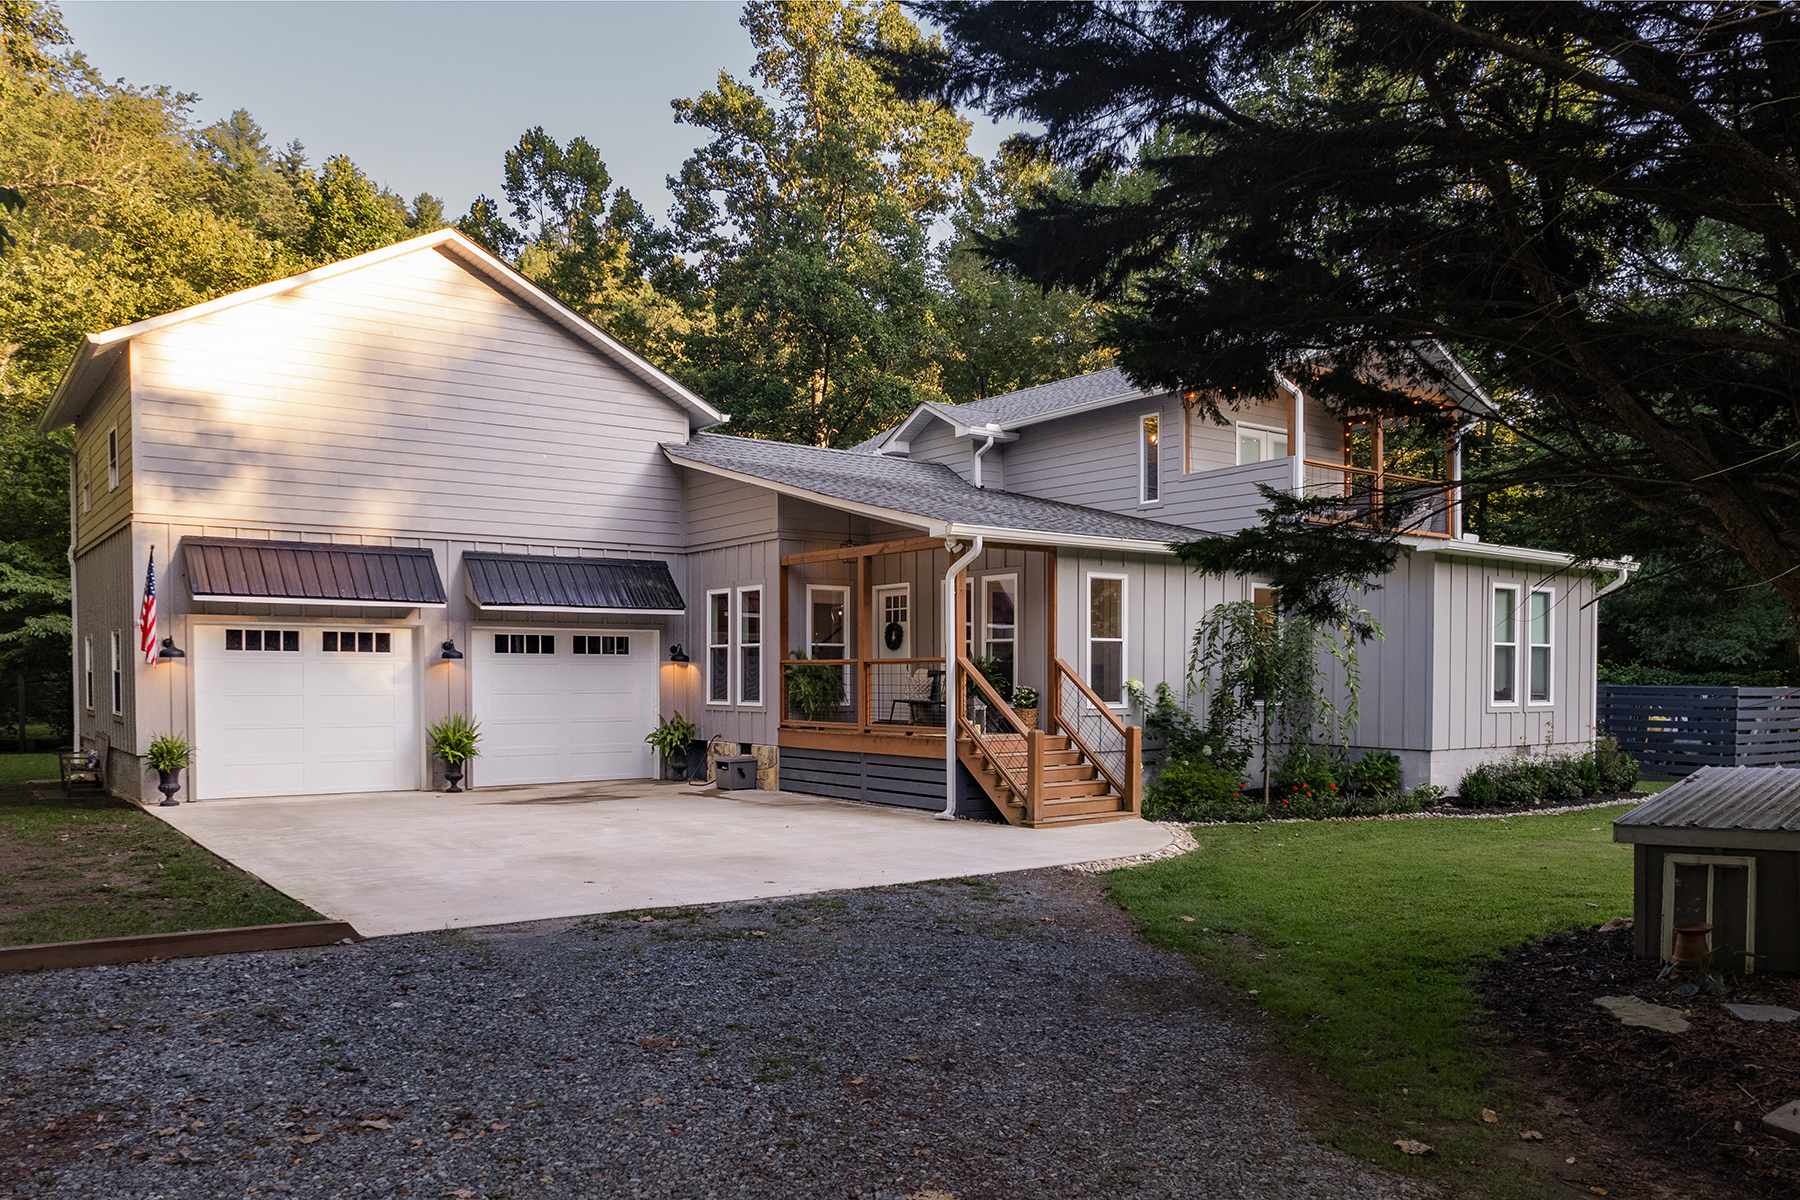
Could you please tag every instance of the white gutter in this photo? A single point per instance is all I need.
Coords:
(312, 601)
(952, 692)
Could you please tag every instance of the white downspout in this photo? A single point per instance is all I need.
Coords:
(1456, 466)
(953, 693)
(1298, 449)
(986, 446)
(1626, 565)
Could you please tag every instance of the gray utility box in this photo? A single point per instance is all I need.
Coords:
(735, 773)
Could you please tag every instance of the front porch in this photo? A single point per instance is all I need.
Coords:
(864, 702)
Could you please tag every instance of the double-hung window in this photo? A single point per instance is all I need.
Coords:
(718, 647)
(118, 677)
(1506, 645)
(1148, 487)
(87, 662)
(112, 458)
(749, 645)
(1106, 637)
(1537, 625)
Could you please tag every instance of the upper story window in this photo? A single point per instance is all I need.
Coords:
(1148, 489)
(1258, 444)
(112, 458)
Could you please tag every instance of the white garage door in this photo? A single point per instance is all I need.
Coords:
(286, 710)
(564, 705)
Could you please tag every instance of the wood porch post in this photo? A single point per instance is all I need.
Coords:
(781, 666)
(1378, 461)
(865, 673)
(1051, 701)
(1034, 775)
(1134, 768)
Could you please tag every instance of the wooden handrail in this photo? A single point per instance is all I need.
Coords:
(1013, 781)
(1347, 469)
(1089, 692)
(987, 690)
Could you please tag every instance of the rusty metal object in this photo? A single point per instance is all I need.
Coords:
(1690, 944)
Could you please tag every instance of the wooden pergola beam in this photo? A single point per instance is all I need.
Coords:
(852, 553)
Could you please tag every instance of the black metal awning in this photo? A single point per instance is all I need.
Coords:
(539, 583)
(245, 569)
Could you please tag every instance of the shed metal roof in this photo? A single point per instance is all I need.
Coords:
(1716, 799)
(247, 569)
(539, 581)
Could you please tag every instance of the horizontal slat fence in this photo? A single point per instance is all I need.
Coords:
(1678, 730)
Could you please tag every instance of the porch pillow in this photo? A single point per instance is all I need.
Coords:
(918, 685)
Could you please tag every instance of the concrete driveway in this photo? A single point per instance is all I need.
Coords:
(407, 862)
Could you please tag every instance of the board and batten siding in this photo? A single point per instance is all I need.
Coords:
(1468, 719)
(109, 507)
(732, 567)
(412, 399)
(107, 603)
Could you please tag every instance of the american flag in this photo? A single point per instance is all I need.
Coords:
(147, 617)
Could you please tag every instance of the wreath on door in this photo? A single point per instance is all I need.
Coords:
(894, 635)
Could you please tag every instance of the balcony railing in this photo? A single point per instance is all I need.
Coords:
(1383, 499)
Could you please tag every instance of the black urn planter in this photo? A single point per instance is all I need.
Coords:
(168, 783)
(678, 767)
(696, 759)
(453, 772)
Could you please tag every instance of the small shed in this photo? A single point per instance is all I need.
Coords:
(1721, 846)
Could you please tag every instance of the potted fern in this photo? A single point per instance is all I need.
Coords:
(168, 753)
(672, 738)
(454, 739)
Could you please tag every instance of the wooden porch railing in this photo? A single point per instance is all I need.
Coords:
(1365, 492)
(880, 695)
(1115, 748)
(1016, 750)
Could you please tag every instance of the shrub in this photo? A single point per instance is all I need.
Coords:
(1378, 771)
(1522, 781)
(1194, 788)
(1480, 788)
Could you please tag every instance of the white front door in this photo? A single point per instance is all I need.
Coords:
(561, 706)
(286, 709)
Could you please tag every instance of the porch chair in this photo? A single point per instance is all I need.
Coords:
(81, 768)
(922, 689)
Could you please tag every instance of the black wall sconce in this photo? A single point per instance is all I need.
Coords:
(451, 653)
(677, 654)
(169, 650)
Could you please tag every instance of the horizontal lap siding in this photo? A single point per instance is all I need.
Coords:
(409, 398)
(936, 443)
(107, 601)
(1222, 501)
(1089, 459)
(109, 508)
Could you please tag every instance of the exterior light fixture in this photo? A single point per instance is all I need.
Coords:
(451, 653)
(677, 654)
(169, 650)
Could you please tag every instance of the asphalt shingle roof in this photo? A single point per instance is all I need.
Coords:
(928, 490)
(1029, 402)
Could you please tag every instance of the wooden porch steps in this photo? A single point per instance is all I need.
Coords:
(1073, 792)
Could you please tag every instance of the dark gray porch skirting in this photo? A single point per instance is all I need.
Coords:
(881, 779)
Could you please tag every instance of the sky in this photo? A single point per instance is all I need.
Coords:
(428, 96)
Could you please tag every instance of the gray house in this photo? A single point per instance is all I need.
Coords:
(413, 483)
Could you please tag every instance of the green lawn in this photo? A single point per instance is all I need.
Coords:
(1361, 940)
(90, 866)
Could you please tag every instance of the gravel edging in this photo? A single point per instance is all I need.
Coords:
(1183, 843)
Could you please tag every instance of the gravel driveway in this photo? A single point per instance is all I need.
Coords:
(997, 1037)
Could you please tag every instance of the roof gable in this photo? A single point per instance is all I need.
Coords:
(99, 351)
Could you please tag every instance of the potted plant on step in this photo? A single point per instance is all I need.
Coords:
(671, 739)
(169, 752)
(1025, 702)
(453, 739)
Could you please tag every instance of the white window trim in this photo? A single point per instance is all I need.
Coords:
(87, 660)
(1518, 618)
(711, 701)
(1549, 699)
(737, 650)
(118, 678)
(843, 589)
(1145, 458)
(112, 458)
(1087, 633)
(1237, 439)
(1709, 861)
(981, 616)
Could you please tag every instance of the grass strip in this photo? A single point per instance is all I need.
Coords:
(1361, 940)
(93, 866)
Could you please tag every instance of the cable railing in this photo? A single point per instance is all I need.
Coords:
(830, 694)
(1115, 748)
(1015, 749)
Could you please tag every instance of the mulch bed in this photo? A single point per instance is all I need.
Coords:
(1661, 1106)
